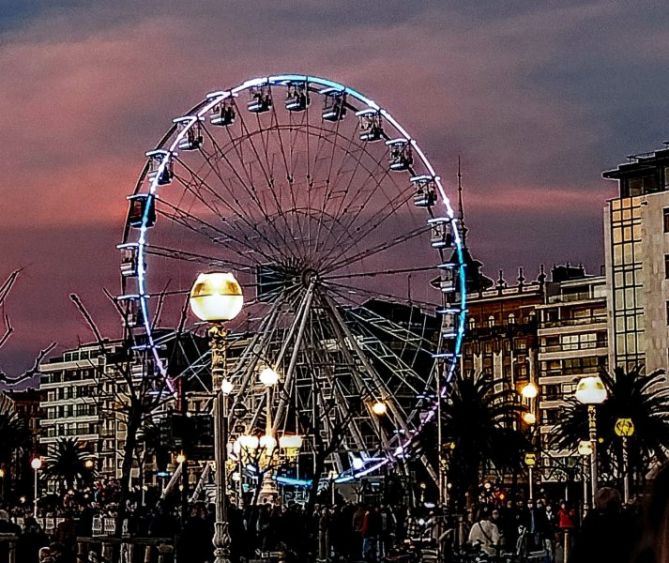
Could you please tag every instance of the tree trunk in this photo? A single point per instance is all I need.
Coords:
(319, 465)
(132, 427)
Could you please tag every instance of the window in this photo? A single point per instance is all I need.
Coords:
(491, 320)
(667, 313)
(666, 266)
(666, 219)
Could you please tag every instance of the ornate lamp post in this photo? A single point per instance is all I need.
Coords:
(624, 428)
(590, 391)
(530, 392)
(36, 464)
(216, 298)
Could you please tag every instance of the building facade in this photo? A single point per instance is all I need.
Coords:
(573, 343)
(77, 401)
(636, 234)
(502, 333)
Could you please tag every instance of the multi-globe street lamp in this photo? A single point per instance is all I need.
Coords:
(216, 298)
(591, 392)
(36, 464)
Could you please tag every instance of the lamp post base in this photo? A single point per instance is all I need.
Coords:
(221, 543)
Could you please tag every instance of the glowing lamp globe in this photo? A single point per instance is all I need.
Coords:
(585, 447)
(268, 443)
(290, 441)
(36, 463)
(591, 391)
(248, 442)
(530, 391)
(216, 297)
(268, 377)
(181, 458)
(226, 387)
(379, 408)
(529, 418)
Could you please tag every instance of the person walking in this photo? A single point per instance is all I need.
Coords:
(485, 534)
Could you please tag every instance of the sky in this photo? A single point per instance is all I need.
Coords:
(538, 98)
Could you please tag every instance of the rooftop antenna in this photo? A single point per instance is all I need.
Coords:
(461, 207)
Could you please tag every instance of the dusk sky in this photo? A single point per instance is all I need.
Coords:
(537, 98)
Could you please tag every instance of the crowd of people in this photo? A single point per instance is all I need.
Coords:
(495, 531)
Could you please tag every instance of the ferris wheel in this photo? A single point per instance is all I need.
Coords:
(349, 254)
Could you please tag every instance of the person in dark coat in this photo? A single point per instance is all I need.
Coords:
(608, 533)
(654, 544)
(30, 542)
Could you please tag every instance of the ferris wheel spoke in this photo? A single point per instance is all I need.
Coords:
(347, 291)
(338, 262)
(221, 154)
(268, 180)
(183, 218)
(289, 173)
(376, 219)
(375, 273)
(269, 223)
(187, 256)
(242, 217)
(194, 188)
(249, 184)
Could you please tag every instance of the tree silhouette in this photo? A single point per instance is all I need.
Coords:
(478, 432)
(66, 462)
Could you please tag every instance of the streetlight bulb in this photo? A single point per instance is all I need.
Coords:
(36, 463)
(529, 418)
(379, 408)
(88, 464)
(226, 387)
(216, 297)
(530, 391)
(268, 377)
(181, 458)
(591, 391)
(2, 473)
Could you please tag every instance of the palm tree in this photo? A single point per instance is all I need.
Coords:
(478, 430)
(631, 394)
(67, 462)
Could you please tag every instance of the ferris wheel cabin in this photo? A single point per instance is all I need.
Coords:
(334, 104)
(371, 125)
(401, 156)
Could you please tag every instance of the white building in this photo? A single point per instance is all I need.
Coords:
(77, 390)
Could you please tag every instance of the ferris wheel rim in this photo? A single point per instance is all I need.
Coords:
(196, 114)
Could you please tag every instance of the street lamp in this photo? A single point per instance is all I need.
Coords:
(36, 464)
(624, 428)
(216, 298)
(590, 391)
(530, 392)
(2, 483)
